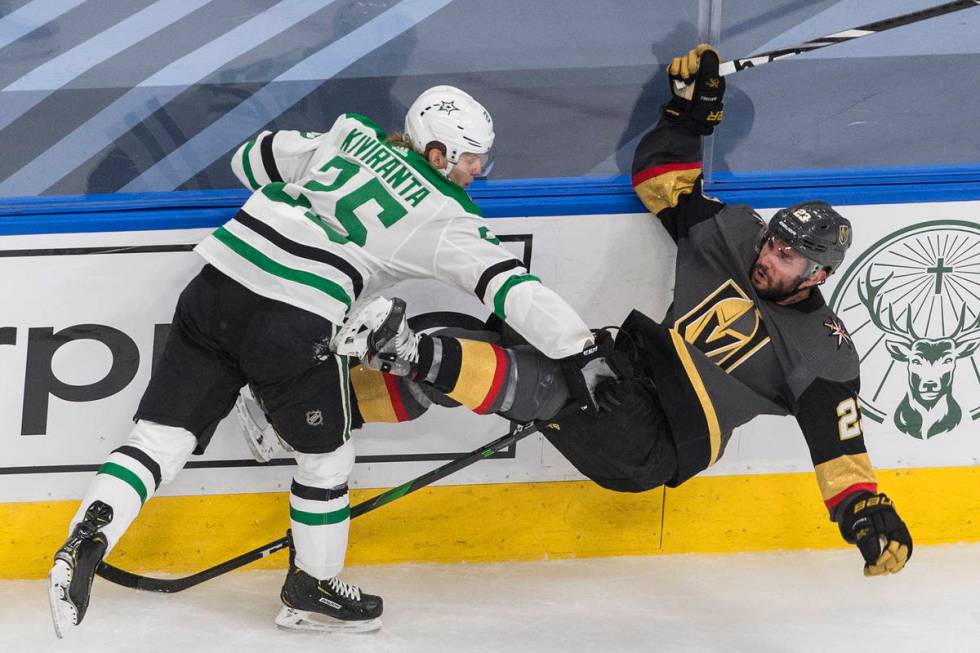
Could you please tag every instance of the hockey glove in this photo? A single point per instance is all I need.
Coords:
(697, 105)
(870, 522)
(611, 393)
(584, 372)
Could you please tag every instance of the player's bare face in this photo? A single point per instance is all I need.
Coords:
(466, 169)
(777, 270)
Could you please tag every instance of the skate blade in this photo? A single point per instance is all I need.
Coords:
(301, 620)
(63, 613)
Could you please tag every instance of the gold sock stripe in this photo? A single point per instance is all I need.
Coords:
(476, 372)
(372, 395)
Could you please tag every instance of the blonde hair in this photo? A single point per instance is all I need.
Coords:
(400, 139)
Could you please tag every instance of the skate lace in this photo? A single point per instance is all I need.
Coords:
(339, 587)
(407, 344)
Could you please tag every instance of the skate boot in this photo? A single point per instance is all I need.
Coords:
(379, 335)
(325, 605)
(70, 578)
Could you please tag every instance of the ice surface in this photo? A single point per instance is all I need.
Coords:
(787, 602)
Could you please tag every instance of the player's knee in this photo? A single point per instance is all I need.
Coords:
(541, 389)
(325, 470)
(168, 446)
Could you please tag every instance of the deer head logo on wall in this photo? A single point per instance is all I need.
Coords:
(912, 300)
(928, 407)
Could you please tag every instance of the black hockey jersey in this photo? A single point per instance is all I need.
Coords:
(722, 356)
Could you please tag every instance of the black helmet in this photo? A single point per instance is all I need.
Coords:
(815, 230)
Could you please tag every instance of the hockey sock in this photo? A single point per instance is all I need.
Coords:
(385, 397)
(132, 473)
(319, 511)
(478, 375)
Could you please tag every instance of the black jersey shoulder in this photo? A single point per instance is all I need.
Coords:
(823, 340)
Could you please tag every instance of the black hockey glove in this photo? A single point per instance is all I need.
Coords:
(698, 105)
(870, 521)
(597, 363)
(611, 393)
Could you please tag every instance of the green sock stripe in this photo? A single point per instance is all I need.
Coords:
(319, 518)
(127, 476)
(501, 296)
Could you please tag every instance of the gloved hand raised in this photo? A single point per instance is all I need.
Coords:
(696, 90)
(870, 521)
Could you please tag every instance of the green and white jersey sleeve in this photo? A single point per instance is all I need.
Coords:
(275, 156)
(468, 256)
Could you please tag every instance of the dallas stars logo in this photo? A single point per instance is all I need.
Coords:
(838, 329)
(448, 107)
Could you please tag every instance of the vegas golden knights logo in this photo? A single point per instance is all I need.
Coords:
(726, 326)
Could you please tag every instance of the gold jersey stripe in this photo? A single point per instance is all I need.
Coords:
(372, 395)
(476, 372)
(664, 191)
(835, 476)
(714, 428)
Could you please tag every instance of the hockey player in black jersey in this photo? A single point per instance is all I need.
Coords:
(748, 334)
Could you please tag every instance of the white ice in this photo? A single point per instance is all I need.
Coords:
(792, 602)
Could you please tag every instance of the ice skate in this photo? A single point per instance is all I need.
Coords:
(326, 605)
(70, 578)
(380, 336)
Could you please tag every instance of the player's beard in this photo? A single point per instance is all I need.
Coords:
(771, 291)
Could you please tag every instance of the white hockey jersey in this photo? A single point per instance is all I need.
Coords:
(340, 216)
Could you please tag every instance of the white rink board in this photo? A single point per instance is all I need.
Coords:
(603, 265)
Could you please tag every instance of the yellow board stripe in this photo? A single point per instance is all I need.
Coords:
(372, 395)
(714, 428)
(525, 521)
(476, 372)
(835, 476)
(664, 191)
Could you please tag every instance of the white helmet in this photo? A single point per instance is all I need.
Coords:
(453, 118)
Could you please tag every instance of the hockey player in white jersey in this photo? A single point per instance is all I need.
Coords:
(335, 218)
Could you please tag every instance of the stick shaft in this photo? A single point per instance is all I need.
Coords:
(729, 67)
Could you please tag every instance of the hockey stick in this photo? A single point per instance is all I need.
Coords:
(729, 67)
(171, 585)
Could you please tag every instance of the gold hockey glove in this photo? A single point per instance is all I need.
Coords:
(870, 522)
(697, 105)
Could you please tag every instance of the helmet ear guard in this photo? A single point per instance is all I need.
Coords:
(447, 116)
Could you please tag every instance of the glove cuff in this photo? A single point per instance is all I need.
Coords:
(699, 120)
(845, 516)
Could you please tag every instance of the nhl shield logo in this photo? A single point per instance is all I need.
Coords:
(314, 418)
(915, 295)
